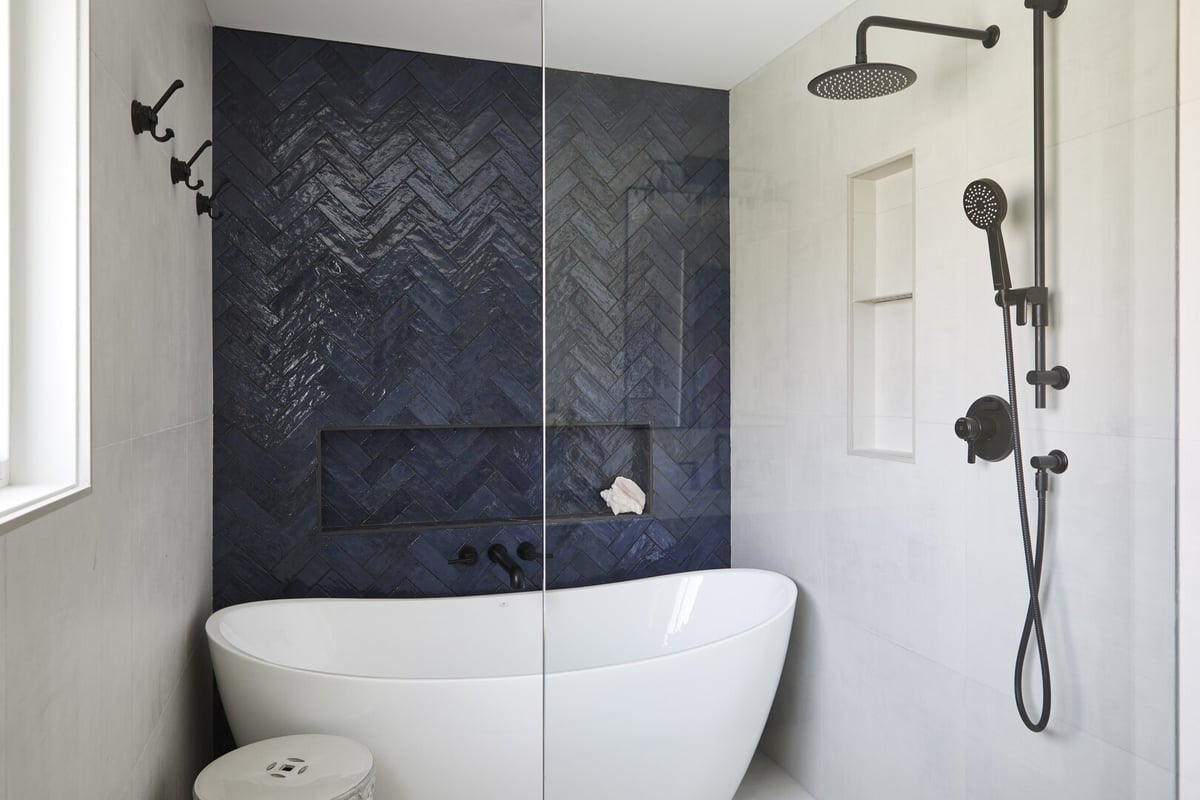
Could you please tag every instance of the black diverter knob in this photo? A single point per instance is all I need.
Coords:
(987, 429)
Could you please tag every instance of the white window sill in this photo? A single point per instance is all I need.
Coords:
(21, 504)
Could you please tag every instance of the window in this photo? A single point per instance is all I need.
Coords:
(44, 431)
(4, 242)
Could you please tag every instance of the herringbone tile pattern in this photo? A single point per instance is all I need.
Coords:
(638, 308)
(406, 479)
(378, 263)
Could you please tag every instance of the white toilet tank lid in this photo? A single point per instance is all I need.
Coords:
(306, 767)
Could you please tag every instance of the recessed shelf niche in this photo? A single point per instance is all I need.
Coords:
(882, 308)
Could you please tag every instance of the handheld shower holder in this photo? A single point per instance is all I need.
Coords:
(1035, 298)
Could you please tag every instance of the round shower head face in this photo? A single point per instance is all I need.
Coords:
(862, 81)
(985, 203)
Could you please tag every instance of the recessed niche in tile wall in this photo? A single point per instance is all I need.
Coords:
(423, 478)
(882, 221)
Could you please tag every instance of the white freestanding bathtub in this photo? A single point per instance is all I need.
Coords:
(654, 689)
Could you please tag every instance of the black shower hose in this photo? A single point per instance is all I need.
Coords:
(1033, 554)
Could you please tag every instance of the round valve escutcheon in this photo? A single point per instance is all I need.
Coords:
(987, 429)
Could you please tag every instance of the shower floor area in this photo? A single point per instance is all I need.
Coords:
(766, 780)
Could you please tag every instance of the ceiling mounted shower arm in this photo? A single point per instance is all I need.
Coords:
(988, 36)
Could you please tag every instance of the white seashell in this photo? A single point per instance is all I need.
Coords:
(624, 497)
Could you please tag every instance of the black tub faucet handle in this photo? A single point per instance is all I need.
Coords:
(467, 557)
(527, 551)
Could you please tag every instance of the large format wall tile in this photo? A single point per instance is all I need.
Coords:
(913, 575)
(84, 611)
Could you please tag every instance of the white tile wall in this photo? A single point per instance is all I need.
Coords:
(1189, 404)
(103, 677)
(898, 682)
(4, 650)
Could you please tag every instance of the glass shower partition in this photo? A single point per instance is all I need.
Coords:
(637, 388)
(804, 419)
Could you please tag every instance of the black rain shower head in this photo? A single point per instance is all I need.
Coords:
(986, 207)
(863, 79)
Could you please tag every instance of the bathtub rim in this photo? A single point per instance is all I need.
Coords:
(213, 633)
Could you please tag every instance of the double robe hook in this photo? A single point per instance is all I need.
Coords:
(181, 171)
(145, 118)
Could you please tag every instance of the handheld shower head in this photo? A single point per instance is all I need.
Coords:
(985, 203)
(986, 208)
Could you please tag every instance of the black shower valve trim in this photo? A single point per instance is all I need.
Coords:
(987, 429)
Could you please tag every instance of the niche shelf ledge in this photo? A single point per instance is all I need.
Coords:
(886, 298)
(882, 315)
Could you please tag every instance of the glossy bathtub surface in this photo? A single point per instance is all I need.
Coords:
(629, 622)
(670, 678)
(493, 636)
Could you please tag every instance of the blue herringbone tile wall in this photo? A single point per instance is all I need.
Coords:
(379, 263)
(637, 319)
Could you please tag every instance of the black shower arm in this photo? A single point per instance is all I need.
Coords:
(989, 37)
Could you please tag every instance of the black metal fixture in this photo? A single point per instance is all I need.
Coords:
(528, 551)
(498, 554)
(145, 118)
(987, 429)
(1039, 377)
(181, 171)
(986, 205)
(467, 556)
(866, 79)
(204, 202)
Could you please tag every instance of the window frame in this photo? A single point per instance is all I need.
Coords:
(44, 277)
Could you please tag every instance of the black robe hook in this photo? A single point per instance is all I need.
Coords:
(145, 118)
(204, 202)
(181, 172)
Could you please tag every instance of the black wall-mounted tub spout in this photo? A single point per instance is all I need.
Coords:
(498, 554)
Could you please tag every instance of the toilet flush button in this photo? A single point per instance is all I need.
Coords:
(306, 767)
